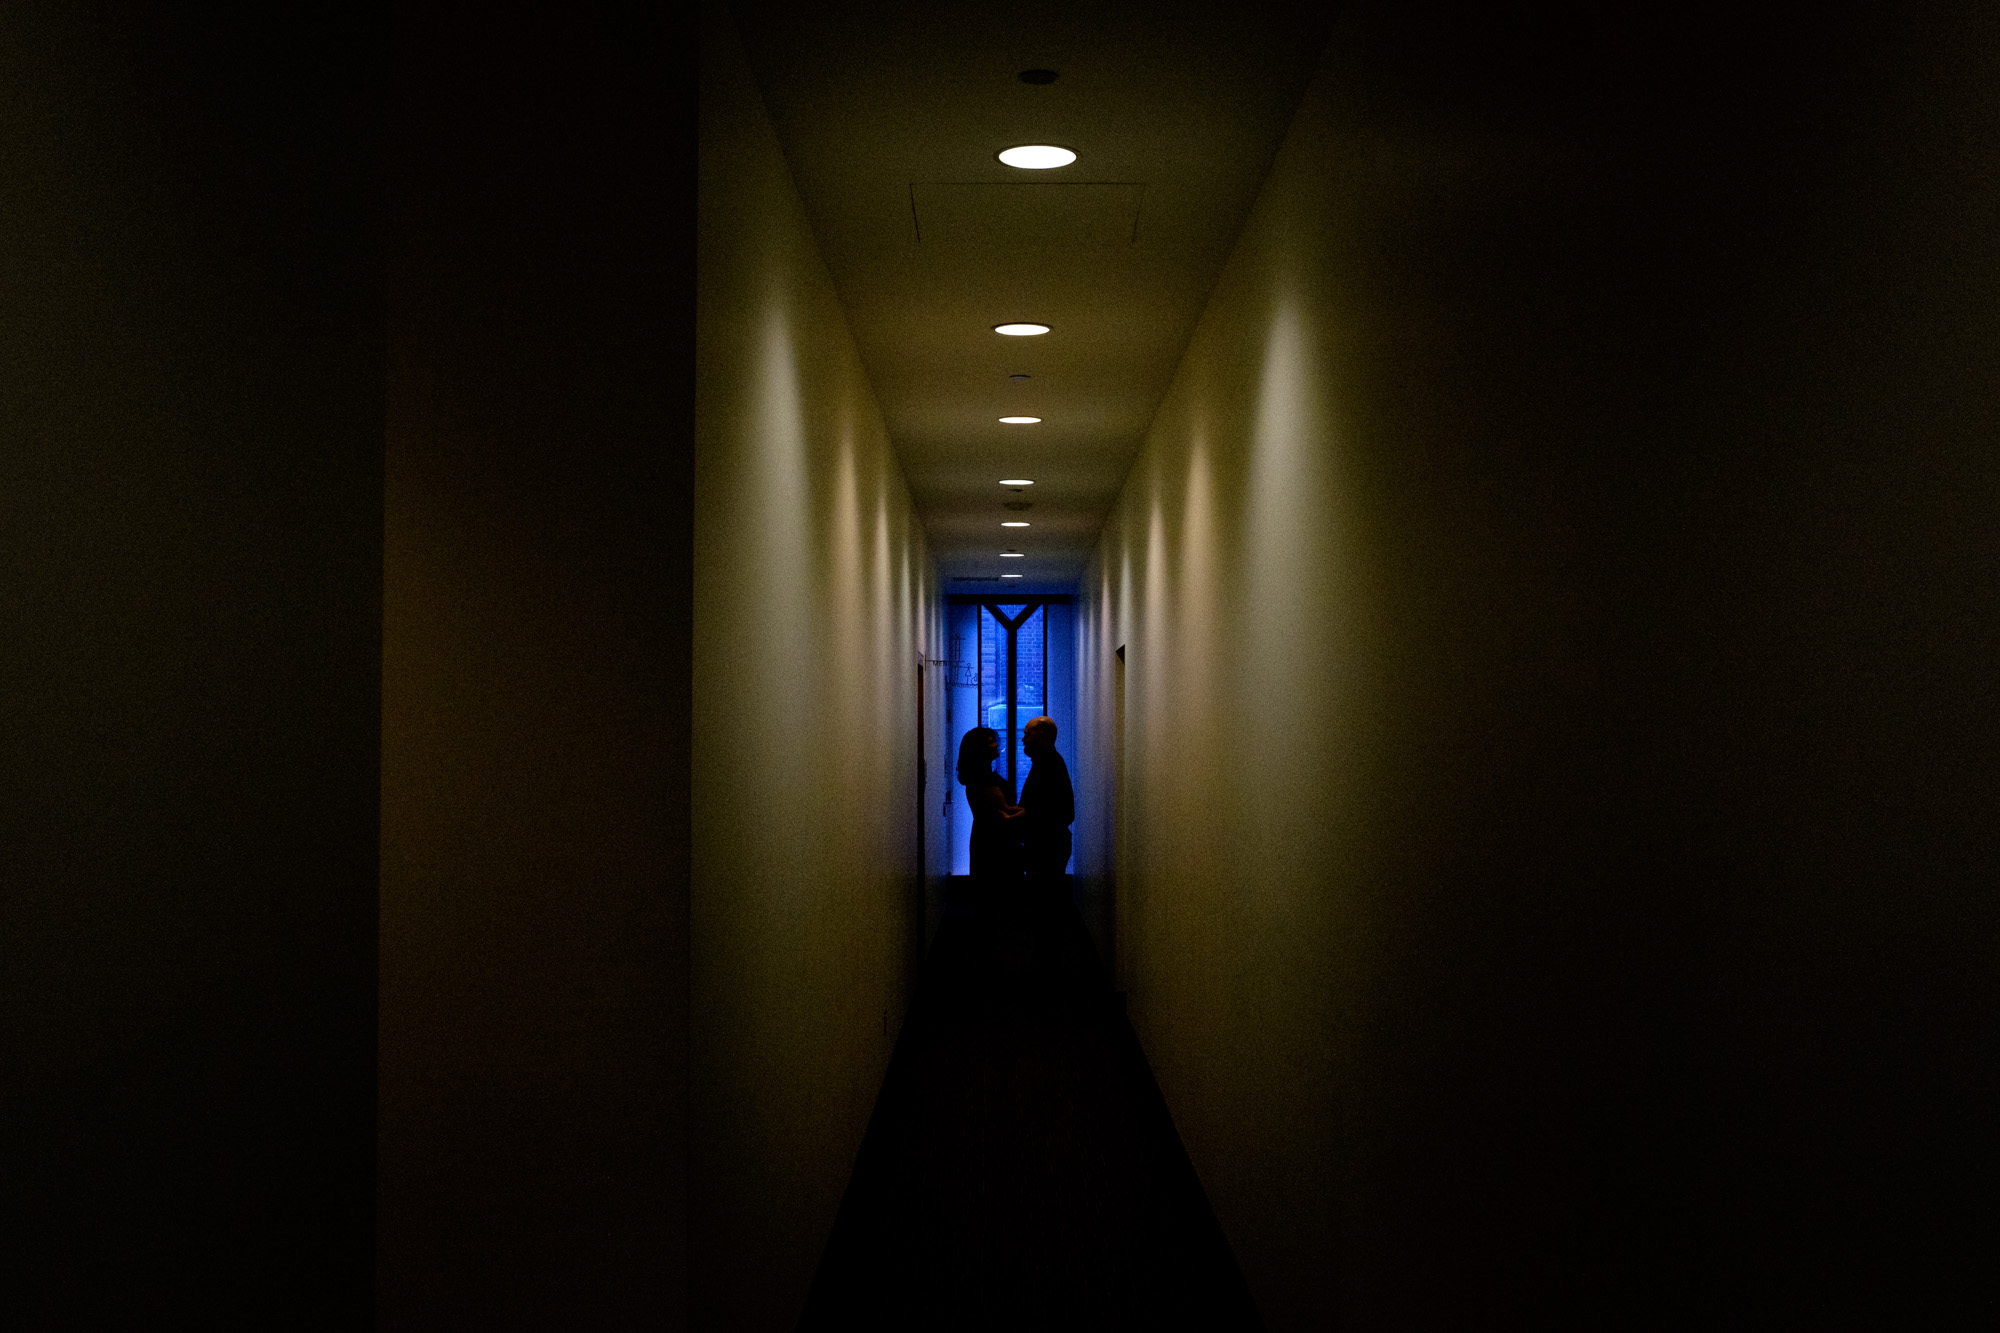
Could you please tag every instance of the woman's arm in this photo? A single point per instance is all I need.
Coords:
(985, 799)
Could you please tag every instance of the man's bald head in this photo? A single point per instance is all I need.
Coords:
(1039, 734)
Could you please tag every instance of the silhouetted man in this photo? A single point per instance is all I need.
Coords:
(1049, 802)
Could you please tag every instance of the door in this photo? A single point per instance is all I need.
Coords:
(1121, 875)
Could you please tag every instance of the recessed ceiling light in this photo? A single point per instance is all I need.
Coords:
(1013, 576)
(1021, 330)
(1019, 421)
(1014, 523)
(1018, 379)
(1037, 156)
(1017, 481)
(1012, 555)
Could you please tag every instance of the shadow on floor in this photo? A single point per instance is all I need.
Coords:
(1020, 1170)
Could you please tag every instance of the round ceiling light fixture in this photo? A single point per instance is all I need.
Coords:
(1019, 421)
(1011, 555)
(1036, 156)
(1013, 576)
(1017, 481)
(1015, 523)
(1021, 330)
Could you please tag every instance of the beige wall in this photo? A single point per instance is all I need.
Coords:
(1232, 574)
(814, 597)
(1551, 597)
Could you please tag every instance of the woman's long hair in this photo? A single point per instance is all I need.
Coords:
(972, 760)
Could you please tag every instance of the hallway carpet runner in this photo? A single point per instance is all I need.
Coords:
(1020, 1170)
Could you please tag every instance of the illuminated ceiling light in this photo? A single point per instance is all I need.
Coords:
(1012, 555)
(1013, 576)
(1019, 421)
(1015, 523)
(1037, 156)
(1021, 330)
(1017, 481)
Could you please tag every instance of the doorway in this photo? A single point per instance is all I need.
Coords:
(1115, 909)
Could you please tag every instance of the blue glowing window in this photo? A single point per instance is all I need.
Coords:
(1039, 655)
(1013, 676)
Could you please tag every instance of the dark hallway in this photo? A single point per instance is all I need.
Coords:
(487, 498)
(1020, 1169)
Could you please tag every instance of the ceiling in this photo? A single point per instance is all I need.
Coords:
(891, 115)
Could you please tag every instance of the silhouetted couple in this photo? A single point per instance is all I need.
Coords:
(1021, 949)
(1019, 849)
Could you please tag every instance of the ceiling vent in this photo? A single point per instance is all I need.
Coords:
(982, 214)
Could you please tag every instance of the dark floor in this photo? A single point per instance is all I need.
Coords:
(1021, 1170)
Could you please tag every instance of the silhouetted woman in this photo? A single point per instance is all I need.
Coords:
(996, 838)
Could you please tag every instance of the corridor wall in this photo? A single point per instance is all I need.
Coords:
(814, 598)
(190, 613)
(535, 669)
(1554, 873)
